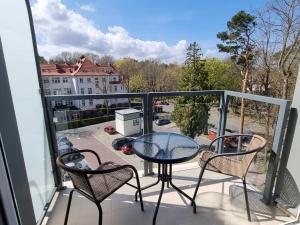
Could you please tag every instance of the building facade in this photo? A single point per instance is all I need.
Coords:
(84, 77)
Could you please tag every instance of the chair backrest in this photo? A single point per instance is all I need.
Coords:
(256, 144)
(78, 176)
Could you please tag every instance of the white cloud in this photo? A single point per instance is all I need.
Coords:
(61, 29)
(88, 8)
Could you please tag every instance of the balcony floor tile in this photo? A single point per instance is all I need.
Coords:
(218, 203)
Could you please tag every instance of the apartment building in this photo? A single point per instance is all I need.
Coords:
(84, 77)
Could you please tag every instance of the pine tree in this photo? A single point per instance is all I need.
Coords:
(239, 44)
(191, 113)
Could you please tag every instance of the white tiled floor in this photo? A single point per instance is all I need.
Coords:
(217, 203)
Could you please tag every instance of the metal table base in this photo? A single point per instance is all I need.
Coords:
(165, 176)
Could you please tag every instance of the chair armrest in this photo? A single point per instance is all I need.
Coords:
(92, 152)
(227, 136)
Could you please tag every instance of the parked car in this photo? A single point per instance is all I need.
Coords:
(110, 129)
(161, 122)
(155, 117)
(119, 142)
(63, 140)
(127, 148)
(164, 103)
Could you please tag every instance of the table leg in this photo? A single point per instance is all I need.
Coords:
(180, 191)
(164, 179)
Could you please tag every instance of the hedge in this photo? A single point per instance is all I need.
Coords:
(83, 122)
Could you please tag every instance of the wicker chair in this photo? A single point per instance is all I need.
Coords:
(97, 184)
(233, 164)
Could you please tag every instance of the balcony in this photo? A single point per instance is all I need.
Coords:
(220, 199)
(33, 190)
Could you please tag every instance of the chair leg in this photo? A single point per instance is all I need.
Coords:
(100, 213)
(198, 184)
(246, 199)
(68, 207)
(139, 188)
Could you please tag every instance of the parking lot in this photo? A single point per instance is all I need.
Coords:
(93, 137)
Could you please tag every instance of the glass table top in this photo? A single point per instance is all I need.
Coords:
(165, 147)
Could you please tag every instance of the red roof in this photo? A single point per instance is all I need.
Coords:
(83, 67)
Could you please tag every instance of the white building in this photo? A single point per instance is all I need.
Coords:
(84, 77)
(128, 121)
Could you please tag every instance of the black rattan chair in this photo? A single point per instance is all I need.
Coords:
(232, 164)
(97, 184)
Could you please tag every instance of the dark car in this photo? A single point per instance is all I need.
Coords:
(119, 142)
(127, 148)
(63, 140)
(161, 122)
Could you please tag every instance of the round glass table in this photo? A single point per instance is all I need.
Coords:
(165, 149)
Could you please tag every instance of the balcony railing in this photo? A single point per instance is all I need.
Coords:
(223, 97)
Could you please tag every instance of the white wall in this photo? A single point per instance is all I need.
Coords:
(22, 73)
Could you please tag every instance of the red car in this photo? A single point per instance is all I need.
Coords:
(127, 149)
(110, 129)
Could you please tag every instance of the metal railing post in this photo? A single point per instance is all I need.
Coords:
(276, 151)
(289, 136)
(53, 145)
(150, 125)
(222, 121)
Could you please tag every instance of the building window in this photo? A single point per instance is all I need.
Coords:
(67, 91)
(114, 78)
(65, 80)
(89, 80)
(56, 80)
(47, 92)
(69, 103)
(89, 90)
(121, 87)
(83, 103)
(116, 88)
(103, 80)
(82, 91)
(96, 79)
(81, 80)
(58, 103)
(46, 81)
(91, 102)
(56, 91)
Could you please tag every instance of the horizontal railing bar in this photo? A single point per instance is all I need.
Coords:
(248, 96)
(187, 93)
(259, 98)
(94, 96)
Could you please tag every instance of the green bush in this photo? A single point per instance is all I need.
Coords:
(83, 122)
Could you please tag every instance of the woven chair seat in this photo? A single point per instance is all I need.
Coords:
(105, 184)
(225, 165)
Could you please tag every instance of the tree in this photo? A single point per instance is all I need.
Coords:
(221, 75)
(170, 77)
(127, 67)
(240, 45)
(106, 60)
(42, 60)
(286, 29)
(94, 58)
(137, 83)
(152, 70)
(65, 57)
(191, 113)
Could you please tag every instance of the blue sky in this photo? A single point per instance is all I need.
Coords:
(163, 22)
